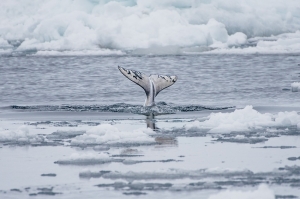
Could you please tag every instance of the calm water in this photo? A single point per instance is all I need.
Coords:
(217, 80)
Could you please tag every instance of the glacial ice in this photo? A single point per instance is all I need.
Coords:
(245, 120)
(117, 27)
(109, 134)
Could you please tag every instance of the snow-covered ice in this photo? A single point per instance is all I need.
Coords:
(109, 134)
(19, 135)
(86, 159)
(295, 86)
(97, 27)
(245, 119)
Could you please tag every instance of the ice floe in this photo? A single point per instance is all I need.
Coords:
(92, 158)
(214, 178)
(295, 86)
(245, 119)
(89, 158)
(20, 135)
(170, 174)
(263, 192)
(109, 134)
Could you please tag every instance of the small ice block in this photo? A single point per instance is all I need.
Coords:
(295, 86)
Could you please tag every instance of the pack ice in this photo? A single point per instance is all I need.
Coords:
(165, 26)
(245, 119)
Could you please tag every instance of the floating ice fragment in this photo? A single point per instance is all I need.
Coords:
(237, 39)
(295, 86)
(244, 120)
(263, 191)
(109, 134)
(19, 135)
(87, 159)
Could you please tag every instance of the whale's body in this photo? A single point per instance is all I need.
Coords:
(152, 84)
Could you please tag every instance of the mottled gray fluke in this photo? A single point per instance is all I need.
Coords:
(152, 84)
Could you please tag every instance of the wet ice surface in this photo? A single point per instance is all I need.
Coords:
(72, 158)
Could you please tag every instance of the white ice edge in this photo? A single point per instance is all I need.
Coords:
(101, 134)
(245, 119)
(109, 134)
(99, 52)
(295, 86)
(21, 134)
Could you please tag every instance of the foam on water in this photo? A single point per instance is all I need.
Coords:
(110, 27)
(245, 120)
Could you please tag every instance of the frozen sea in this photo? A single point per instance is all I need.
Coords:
(74, 127)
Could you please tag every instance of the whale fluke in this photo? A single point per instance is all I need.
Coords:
(152, 84)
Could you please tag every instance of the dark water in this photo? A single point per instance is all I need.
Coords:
(208, 80)
(160, 108)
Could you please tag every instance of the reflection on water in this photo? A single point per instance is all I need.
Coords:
(161, 140)
(150, 121)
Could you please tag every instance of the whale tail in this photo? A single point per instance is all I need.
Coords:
(152, 85)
